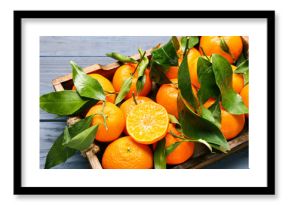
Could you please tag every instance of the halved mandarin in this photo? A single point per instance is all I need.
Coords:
(147, 122)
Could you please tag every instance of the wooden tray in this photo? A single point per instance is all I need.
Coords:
(202, 156)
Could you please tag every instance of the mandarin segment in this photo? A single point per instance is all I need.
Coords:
(147, 122)
(129, 104)
(125, 153)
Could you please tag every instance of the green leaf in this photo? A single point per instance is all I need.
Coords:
(172, 119)
(224, 46)
(206, 114)
(172, 147)
(213, 114)
(66, 136)
(86, 85)
(184, 84)
(231, 101)
(140, 83)
(121, 58)
(216, 112)
(193, 41)
(144, 61)
(243, 68)
(206, 78)
(125, 88)
(166, 55)
(59, 153)
(62, 103)
(200, 129)
(160, 155)
(157, 74)
(241, 59)
(82, 140)
(209, 146)
(162, 58)
(246, 77)
(143, 64)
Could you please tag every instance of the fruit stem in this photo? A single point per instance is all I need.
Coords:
(176, 136)
(103, 115)
(134, 98)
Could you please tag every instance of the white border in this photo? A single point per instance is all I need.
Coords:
(34, 28)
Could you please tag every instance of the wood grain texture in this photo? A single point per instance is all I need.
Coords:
(96, 45)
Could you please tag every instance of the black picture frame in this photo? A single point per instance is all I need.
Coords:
(268, 190)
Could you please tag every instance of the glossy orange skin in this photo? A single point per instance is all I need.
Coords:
(182, 152)
(231, 125)
(209, 102)
(167, 97)
(245, 95)
(125, 153)
(123, 73)
(211, 45)
(237, 81)
(172, 72)
(129, 104)
(192, 58)
(106, 85)
(193, 54)
(115, 121)
(193, 74)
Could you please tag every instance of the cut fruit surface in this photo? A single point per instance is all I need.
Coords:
(147, 122)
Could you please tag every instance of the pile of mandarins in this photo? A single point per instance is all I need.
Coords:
(133, 129)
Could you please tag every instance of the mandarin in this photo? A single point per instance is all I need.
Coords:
(124, 72)
(115, 121)
(125, 153)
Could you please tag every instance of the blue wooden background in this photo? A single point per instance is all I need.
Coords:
(55, 54)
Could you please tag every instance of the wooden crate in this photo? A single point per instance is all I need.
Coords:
(202, 156)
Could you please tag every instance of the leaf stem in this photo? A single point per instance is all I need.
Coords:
(139, 63)
(104, 115)
(112, 93)
(204, 54)
(186, 46)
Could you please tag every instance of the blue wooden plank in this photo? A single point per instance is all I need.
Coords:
(54, 67)
(49, 131)
(96, 45)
